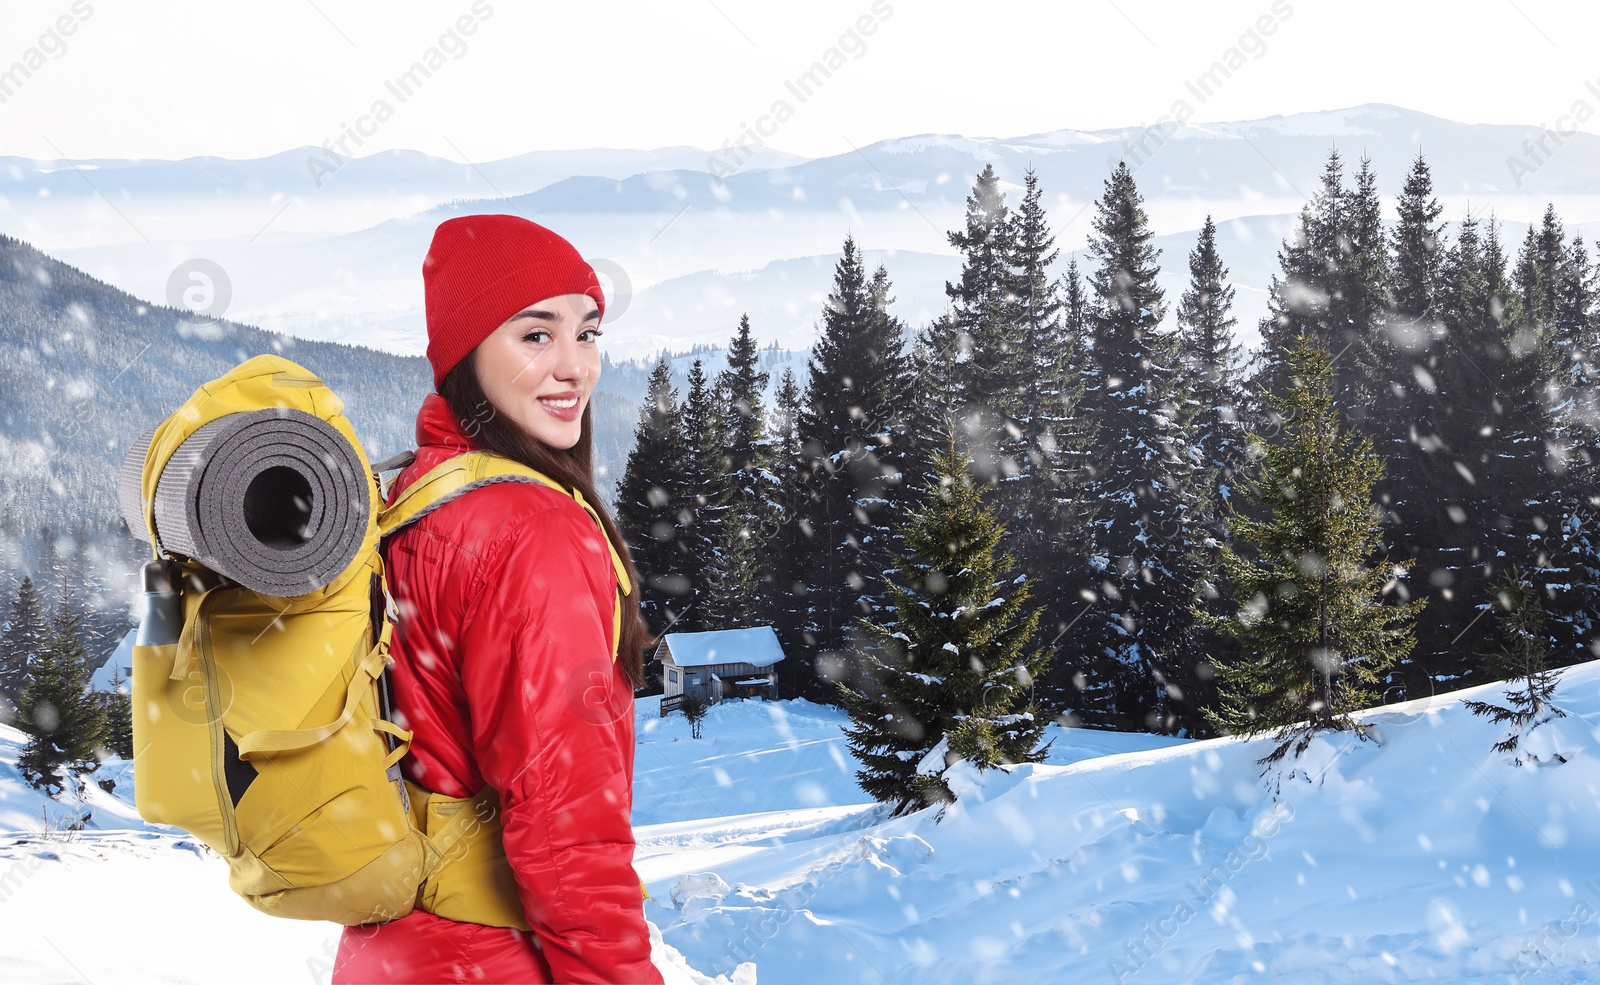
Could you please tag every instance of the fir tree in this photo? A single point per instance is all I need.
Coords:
(1145, 535)
(740, 386)
(1523, 655)
(24, 638)
(1419, 254)
(648, 499)
(1207, 359)
(934, 363)
(954, 661)
(743, 570)
(1538, 277)
(119, 722)
(1362, 298)
(65, 723)
(851, 447)
(1210, 404)
(702, 503)
(783, 580)
(1331, 287)
(1435, 512)
(1044, 400)
(1313, 628)
(1040, 449)
(1576, 377)
(984, 303)
(1544, 454)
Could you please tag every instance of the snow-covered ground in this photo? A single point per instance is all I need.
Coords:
(1417, 855)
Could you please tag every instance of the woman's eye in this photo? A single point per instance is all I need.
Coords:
(535, 336)
(592, 333)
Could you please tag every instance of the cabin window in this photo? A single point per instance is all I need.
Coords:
(672, 676)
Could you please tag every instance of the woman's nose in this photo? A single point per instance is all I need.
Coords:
(569, 358)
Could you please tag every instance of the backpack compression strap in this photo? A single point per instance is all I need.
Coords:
(464, 473)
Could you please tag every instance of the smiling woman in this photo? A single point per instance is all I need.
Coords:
(518, 642)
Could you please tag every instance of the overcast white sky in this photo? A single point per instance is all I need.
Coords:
(157, 78)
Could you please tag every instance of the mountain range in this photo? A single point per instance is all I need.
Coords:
(688, 250)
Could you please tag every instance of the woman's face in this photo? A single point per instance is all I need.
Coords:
(539, 367)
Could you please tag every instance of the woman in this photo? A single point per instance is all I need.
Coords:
(503, 648)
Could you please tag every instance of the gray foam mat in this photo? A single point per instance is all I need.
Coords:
(277, 500)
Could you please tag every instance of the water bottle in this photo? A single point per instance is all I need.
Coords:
(161, 620)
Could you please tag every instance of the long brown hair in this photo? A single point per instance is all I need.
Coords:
(494, 431)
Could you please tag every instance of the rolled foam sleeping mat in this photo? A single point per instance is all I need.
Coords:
(130, 485)
(277, 500)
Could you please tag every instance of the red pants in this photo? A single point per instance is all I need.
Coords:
(424, 948)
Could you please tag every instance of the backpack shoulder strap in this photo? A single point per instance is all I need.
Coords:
(451, 479)
(463, 473)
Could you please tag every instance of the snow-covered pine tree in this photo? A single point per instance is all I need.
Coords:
(1331, 286)
(783, 581)
(1471, 492)
(1577, 373)
(937, 395)
(25, 635)
(1045, 437)
(955, 660)
(1437, 400)
(1360, 304)
(1210, 403)
(984, 306)
(1555, 455)
(850, 460)
(1069, 588)
(1313, 626)
(741, 385)
(1207, 360)
(648, 501)
(1145, 536)
(1045, 395)
(1574, 396)
(1076, 335)
(1025, 449)
(1522, 654)
(744, 565)
(1538, 277)
(702, 501)
(119, 721)
(65, 722)
(1419, 249)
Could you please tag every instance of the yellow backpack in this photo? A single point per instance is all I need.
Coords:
(261, 723)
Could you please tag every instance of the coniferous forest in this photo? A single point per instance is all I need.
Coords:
(1181, 536)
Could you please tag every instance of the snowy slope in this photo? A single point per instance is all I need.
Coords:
(1416, 855)
(128, 902)
(116, 673)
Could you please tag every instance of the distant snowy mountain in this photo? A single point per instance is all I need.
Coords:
(1272, 158)
(1417, 854)
(691, 249)
(316, 189)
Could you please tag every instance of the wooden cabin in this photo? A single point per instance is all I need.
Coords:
(729, 663)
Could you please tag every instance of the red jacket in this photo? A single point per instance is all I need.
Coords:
(503, 671)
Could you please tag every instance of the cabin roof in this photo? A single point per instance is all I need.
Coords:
(757, 647)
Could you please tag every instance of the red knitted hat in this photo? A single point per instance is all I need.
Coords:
(482, 269)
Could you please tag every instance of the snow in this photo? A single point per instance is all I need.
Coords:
(757, 647)
(1418, 854)
(115, 673)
